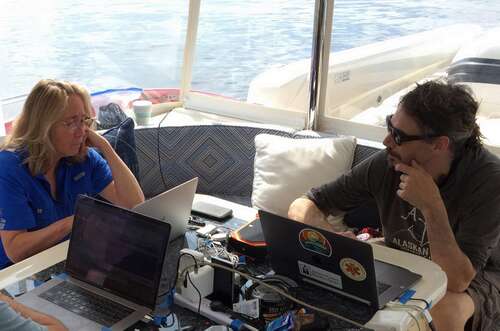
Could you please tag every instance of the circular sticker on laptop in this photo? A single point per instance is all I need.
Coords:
(315, 242)
(353, 269)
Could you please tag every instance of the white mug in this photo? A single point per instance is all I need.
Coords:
(142, 111)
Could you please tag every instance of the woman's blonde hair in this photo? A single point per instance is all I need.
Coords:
(45, 105)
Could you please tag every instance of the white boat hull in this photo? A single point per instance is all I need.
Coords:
(363, 77)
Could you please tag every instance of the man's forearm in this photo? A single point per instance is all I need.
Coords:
(128, 190)
(304, 210)
(419, 189)
(445, 250)
(26, 244)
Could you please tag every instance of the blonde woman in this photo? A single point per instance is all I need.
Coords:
(46, 162)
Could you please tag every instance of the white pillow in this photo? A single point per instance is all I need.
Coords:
(286, 168)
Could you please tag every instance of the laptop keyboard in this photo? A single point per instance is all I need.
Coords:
(382, 287)
(86, 304)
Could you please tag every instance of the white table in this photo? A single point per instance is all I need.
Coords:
(431, 287)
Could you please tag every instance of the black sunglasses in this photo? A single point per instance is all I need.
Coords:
(401, 137)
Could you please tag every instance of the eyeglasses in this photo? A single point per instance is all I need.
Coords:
(76, 123)
(400, 137)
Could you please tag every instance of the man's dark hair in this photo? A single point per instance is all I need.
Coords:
(447, 109)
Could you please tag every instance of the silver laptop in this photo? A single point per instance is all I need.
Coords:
(172, 206)
(113, 268)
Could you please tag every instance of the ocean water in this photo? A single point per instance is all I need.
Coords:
(123, 43)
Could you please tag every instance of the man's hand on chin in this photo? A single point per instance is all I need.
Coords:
(417, 186)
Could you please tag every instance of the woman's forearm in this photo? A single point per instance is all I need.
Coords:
(20, 245)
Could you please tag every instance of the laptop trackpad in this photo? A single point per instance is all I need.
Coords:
(393, 280)
(71, 320)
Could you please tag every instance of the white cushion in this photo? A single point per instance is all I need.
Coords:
(286, 168)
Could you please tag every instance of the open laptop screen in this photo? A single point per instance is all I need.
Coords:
(117, 250)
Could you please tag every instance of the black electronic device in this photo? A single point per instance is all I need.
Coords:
(195, 220)
(223, 283)
(249, 240)
(333, 262)
(215, 212)
(272, 305)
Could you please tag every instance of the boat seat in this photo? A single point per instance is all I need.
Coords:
(222, 157)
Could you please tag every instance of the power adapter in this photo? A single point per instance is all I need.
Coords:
(188, 260)
(202, 281)
(189, 257)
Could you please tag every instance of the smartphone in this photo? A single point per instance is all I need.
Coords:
(212, 211)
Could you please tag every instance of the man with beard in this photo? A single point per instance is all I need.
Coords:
(437, 191)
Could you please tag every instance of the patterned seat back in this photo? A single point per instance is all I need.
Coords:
(222, 156)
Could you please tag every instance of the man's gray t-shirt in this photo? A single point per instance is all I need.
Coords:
(11, 320)
(471, 194)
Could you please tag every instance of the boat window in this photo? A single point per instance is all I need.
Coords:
(240, 42)
(380, 49)
(103, 45)
(253, 56)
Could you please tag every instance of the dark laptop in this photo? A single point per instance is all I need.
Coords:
(331, 261)
(114, 266)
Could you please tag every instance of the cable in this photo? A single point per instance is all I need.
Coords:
(158, 149)
(407, 308)
(415, 319)
(169, 325)
(426, 313)
(197, 290)
(281, 292)
(171, 289)
(177, 273)
(214, 248)
(427, 304)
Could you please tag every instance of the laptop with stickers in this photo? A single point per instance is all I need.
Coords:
(331, 261)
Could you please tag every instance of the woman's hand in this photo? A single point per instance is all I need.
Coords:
(96, 140)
